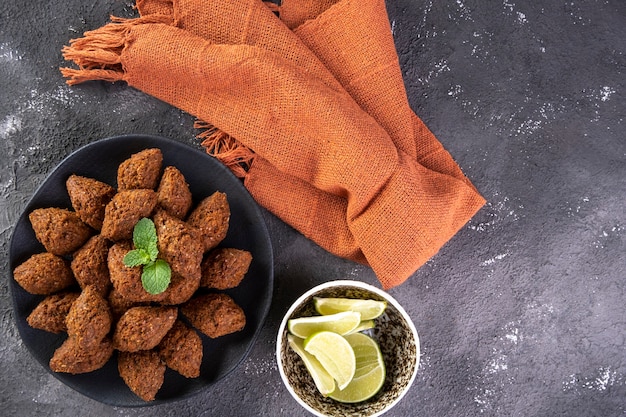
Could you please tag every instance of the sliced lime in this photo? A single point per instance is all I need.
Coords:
(369, 309)
(323, 381)
(364, 325)
(335, 354)
(341, 323)
(369, 375)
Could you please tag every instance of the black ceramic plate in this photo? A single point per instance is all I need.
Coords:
(247, 230)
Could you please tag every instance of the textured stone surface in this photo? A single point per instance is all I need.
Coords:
(521, 314)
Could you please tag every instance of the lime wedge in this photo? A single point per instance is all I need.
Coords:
(335, 354)
(341, 323)
(323, 381)
(364, 325)
(369, 375)
(366, 353)
(369, 309)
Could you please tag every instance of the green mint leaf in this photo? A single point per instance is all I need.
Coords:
(156, 276)
(152, 250)
(145, 237)
(136, 257)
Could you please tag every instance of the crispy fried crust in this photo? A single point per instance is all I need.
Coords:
(89, 264)
(180, 290)
(89, 197)
(143, 327)
(59, 230)
(211, 217)
(143, 372)
(44, 274)
(214, 315)
(89, 319)
(118, 304)
(173, 193)
(141, 170)
(125, 210)
(73, 359)
(225, 268)
(181, 349)
(50, 313)
(126, 280)
(178, 245)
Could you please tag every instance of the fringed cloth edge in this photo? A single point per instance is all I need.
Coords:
(98, 53)
(228, 150)
(98, 57)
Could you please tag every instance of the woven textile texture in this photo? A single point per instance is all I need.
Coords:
(305, 101)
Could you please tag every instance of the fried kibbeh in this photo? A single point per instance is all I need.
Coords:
(124, 210)
(181, 349)
(180, 289)
(71, 358)
(224, 268)
(178, 245)
(127, 280)
(89, 264)
(120, 304)
(89, 197)
(214, 315)
(211, 217)
(173, 194)
(44, 274)
(113, 311)
(89, 319)
(50, 313)
(141, 170)
(59, 230)
(142, 371)
(143, 327)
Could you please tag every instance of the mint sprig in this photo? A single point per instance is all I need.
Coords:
(156, 274)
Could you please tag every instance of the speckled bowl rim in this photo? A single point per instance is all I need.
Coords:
(344, 283)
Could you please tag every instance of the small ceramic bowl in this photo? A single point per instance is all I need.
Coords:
(396, 336)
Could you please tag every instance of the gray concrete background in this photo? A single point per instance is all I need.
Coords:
(520, 314)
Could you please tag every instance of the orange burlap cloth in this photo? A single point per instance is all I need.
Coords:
(305, 101)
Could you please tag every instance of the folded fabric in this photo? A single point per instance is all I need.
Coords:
(312, 105)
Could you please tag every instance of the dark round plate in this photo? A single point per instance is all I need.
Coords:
(247, 230)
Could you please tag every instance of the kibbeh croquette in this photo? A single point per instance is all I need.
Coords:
(124, 210)
(101, 304)
(89, 319)
(50, 313)
(59, 230)
(178, 245)
(89, 198)
(143, 327)
(173, 194)
(214, 315)
(180, 289)
(142, 371)
(181, 349)
(224, 268)
(127, 280)
(141, 170)
(89, 264)
(211, 217)
(44, 274)
(72, 359)
(119, 304)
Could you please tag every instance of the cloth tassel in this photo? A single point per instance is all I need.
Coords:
(228, 150)
(77, 76)
(98, 53)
